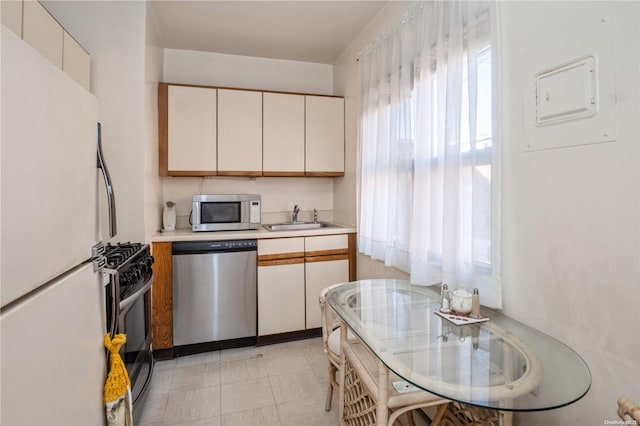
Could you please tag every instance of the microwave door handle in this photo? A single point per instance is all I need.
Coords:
(111, 199)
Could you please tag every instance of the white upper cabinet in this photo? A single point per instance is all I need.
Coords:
(11, 15)
(191, 130)
(239, 132)
(31, 21)
(42, 32)
(254, 133)
(283, 137)
(324, 128)
(76, 62)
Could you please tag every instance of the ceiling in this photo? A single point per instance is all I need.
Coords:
(305, 30)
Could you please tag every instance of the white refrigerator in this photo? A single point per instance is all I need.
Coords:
(52, 314)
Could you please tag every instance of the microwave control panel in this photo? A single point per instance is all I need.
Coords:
(254, 212)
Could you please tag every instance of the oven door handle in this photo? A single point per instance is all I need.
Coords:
(126, 303)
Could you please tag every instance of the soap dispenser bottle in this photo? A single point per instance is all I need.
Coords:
(169, 216)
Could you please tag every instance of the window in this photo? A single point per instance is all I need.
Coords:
(427, 149)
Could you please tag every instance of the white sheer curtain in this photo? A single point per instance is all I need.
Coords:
(429, 147)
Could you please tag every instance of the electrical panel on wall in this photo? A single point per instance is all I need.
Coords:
(573, 96)
(567, 92)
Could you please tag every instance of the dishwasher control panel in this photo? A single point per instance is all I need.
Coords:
(222, 245)
(214, 246)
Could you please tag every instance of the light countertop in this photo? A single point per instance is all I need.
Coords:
(189, 235)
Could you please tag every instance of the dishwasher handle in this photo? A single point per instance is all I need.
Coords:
(196, 247)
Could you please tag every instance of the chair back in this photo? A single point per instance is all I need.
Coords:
(329, 319)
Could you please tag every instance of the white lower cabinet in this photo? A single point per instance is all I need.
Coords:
(291, 274)
(280, 285)
(319, 275)
(280, 292)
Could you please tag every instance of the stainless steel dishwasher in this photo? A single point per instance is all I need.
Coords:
(214, 295)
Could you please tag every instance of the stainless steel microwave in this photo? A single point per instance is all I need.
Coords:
(225, 212)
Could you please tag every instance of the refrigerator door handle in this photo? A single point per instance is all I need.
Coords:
(111, 199)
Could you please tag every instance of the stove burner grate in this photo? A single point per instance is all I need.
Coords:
(118, 254)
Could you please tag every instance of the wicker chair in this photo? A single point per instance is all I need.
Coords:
(370, 397)
(331, 344)
(360, 404)
(628, 410)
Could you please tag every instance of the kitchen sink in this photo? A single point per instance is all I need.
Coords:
(293, 226)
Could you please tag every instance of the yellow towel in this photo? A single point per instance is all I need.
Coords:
(117, 388)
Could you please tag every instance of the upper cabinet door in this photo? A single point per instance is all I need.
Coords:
(76, 62)
(283, 138)
(42, 32)
(191, 131)
(11, 16)
(239, 132)
(324, 136)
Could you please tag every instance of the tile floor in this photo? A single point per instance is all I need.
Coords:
(280, 385)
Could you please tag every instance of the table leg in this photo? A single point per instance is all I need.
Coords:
(343, 341)
(382, 409)
(508, 368)
(506, 418)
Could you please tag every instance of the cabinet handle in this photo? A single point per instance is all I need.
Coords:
(326, 258)
(276, 262)
(279, 256)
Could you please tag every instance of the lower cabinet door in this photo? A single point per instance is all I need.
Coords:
(318, 276)
(280, 298)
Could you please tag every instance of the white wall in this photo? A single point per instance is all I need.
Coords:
(279, 195)
(218, 69)
(154, 66)
(114, 35)
(571, 216)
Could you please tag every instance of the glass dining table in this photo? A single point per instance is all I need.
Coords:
(498, 364)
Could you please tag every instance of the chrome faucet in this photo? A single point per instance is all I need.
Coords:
(294, 216)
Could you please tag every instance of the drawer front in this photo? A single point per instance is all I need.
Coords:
(280, 246)
(329, 244)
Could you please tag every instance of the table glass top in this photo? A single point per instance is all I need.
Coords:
(500, 363)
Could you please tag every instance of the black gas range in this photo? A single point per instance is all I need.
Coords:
(132, 262)
(128, 297)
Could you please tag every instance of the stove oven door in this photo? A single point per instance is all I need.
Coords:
(135, 322)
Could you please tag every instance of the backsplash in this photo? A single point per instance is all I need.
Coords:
(279, 195)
